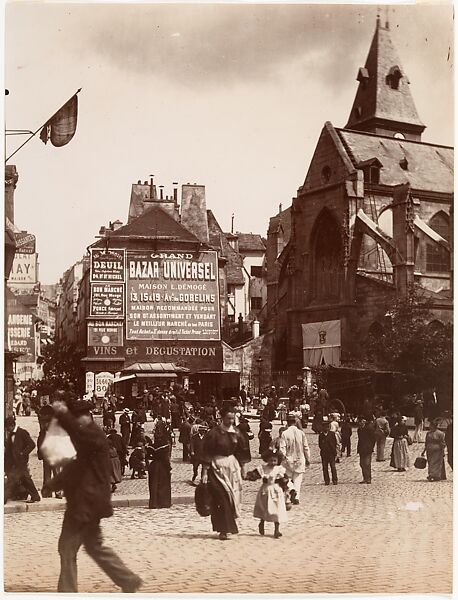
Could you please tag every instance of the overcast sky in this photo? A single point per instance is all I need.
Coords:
(229, 96)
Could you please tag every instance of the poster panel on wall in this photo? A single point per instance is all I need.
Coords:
(107, 300)
(24, 269)
(25, 243)
(107, 265)
(172, 296)
(20, 330)
(102, 383)
(90, 382)
(105, 333)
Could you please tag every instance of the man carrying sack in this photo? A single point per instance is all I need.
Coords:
(86, 485)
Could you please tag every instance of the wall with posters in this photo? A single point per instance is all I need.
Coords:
(150, 307)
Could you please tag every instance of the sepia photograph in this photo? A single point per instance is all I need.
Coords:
(228, 298)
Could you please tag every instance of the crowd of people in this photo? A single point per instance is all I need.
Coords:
(215, 439)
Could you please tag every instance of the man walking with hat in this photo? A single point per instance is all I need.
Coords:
(87, 488)
(18, 446)
(295, 449)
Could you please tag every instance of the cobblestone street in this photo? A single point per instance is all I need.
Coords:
(394, 536)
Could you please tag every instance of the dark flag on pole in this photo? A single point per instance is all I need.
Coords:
(61, 127)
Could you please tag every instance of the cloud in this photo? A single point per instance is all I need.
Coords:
(223, 44)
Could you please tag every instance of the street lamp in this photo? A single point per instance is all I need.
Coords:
(259, 361)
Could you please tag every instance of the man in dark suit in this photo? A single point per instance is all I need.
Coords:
(327, 442)
(87, 489)
(18, 446)
(125, 423)
(366, 443)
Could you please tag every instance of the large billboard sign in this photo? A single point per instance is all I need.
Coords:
(107, 265)
(107, 300)
(172, 296)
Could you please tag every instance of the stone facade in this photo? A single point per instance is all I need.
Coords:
(254, 373)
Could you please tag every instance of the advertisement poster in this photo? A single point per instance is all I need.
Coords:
(24, 269)
(104, 333)
(172, 296)
(90, 382)
(107, 265)
(102, 383)
(25, 243)
(21, 330)
(107, 300)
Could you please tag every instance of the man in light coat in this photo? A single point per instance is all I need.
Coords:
(296, 452)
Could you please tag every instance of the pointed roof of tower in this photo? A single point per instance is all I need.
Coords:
(383, 99)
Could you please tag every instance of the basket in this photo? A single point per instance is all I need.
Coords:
(202, 500)
(420, 462)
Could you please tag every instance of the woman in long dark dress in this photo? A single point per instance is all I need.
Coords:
(221, 470)
(159, 469)
(264, 435)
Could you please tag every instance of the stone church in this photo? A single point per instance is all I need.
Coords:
(372, 219)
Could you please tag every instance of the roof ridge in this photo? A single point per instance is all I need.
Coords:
(390, 137)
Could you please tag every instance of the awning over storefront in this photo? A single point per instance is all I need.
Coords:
(154, 369)
(124, 378)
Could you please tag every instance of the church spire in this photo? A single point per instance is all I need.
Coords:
(383, 102)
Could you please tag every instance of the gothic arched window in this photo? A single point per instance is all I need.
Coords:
(438, 257)
(327, 272)
(440, 222)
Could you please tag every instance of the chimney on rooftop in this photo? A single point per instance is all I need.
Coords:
(151, 187)
(280, 206)
(175, 192)
(161, 187)
(194, 211)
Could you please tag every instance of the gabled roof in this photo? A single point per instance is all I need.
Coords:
(281, 222)
(250, 242)
(218, 240)
(429, 166)
(376, 99)
(155, 223)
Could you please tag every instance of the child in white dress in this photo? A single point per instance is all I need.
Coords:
(270, 503)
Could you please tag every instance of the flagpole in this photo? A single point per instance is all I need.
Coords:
(41, 127)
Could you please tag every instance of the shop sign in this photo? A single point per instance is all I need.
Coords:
(104, 333)
(172, 296)
(102, 382)
(24, 269)
(107, 300)
(195, 356)
(25, 243)
(107, 265)
(90, 382)
(21, 330)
